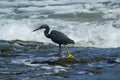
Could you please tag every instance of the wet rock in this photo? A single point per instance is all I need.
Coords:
(45, 46)
(66, 61)
(60, 61)
(27, 45)
(111, 61)
(89, 60)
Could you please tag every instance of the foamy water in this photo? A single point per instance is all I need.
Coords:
(88, 23)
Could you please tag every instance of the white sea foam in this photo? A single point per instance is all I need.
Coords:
(55, 69)
(118, 60)
(84, 34)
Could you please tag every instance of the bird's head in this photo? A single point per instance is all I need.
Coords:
(44, 26)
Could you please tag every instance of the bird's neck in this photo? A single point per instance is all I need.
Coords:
(46, 32)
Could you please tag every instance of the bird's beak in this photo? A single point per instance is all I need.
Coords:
(36, 29)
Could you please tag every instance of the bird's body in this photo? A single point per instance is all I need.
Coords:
(56, 36)
(60, 38)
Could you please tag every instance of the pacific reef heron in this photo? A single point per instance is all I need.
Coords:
(57, 37)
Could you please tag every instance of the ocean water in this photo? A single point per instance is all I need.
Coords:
(88, 22)
(94, 25)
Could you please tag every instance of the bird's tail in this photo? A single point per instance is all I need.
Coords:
(72, 42)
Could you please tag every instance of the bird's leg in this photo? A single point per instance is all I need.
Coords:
(69, 53)
(59, 49)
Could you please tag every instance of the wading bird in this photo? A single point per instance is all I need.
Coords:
(57, 37)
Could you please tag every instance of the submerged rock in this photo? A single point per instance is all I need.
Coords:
(66, 61)
(5, 47)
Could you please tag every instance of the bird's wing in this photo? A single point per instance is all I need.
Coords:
(59, 37)
(57, 33)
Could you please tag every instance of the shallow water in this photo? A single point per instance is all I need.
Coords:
(21, 60)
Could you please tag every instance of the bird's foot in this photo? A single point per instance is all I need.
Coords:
(70, 55)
